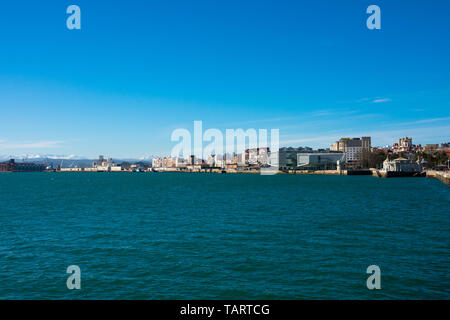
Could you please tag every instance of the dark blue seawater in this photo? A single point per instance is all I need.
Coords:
(212, 236)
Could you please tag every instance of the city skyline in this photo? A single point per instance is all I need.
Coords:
(137, 71)
(400, 145)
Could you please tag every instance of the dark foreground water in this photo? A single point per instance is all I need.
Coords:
(212, 236)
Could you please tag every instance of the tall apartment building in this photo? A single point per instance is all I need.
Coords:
(366, 143)
(354, 148)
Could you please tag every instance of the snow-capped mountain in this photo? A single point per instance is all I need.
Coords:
(67, 161)
(147, 158)
(42, 157)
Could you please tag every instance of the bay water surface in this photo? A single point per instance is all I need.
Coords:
(230, 236)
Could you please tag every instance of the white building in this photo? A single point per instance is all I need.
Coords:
(401, 165)
(353, 153)
(263, 156)
(104, 165)
(219, 161)
(253, 156)
(156, 162)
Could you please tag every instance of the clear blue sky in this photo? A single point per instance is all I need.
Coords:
(139, 69)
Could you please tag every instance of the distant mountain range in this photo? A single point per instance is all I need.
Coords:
(41, 157)
(66, 161)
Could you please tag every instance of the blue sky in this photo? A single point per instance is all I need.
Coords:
(140, 69)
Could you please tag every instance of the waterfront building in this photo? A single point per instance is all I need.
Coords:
(353, 152)
(401, 165)
(219, 161)
(29, 167)
(71, 169)
(229, 159)
(263, 156)
(197, 167)
(286, 157)
(257, 156)
(13, 166)
(242, 159)
(168, 162)
(101, 165)
(180, 162)
(252, 156)
(7, 166)
(320, 160)
(211, 160)
(156, 162)
(104, 165)
(194, 160)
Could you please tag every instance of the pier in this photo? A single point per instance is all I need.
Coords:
(440, 175)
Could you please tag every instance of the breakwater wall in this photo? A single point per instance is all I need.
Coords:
(330, 172)
(440, 175)
(396, 174)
